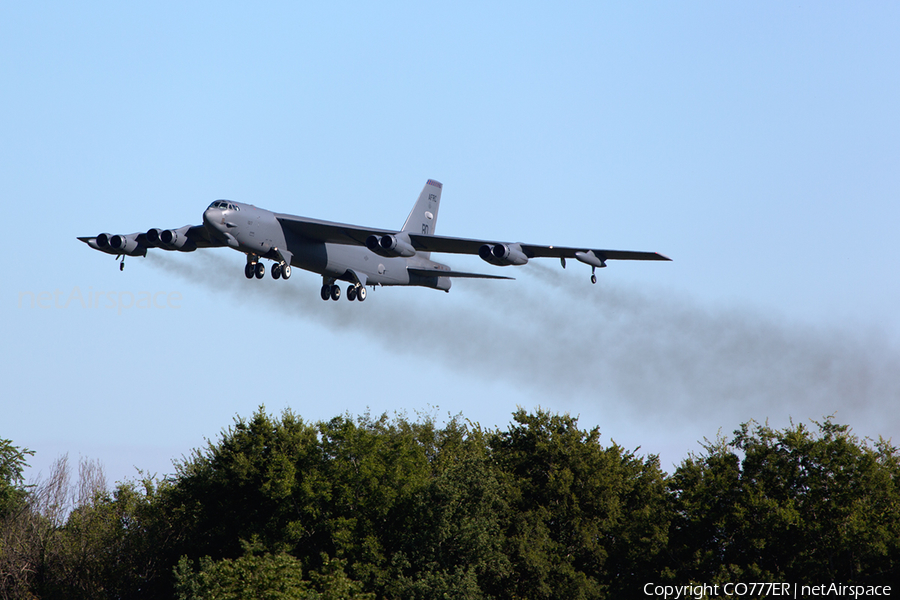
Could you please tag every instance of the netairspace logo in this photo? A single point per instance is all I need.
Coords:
(117, 300)
(764, 590)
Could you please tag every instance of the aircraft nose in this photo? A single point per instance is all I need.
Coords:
(213, 216)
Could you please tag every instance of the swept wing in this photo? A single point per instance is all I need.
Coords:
(340, 233)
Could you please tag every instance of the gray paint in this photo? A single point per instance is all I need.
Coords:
(338, 252)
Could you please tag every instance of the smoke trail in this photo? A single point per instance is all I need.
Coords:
(661, 359)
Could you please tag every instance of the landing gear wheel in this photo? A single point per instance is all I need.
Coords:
(260, 270)
(361, 293)
(286, 271)
(248, 270)
(326, 292)
(276, 271)
(593, 279)
(351, 293)
(335, 292)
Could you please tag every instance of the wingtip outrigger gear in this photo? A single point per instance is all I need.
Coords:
(122, 263)
(590, 258)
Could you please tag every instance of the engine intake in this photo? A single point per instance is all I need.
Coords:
(121, 244)
(503, 255)
(171, 239)
(168, 237)
(390, 245)
(153, 236)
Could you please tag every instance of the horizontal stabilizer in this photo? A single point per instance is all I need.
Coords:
(458, 274)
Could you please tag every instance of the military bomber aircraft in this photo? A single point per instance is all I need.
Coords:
(362, 256)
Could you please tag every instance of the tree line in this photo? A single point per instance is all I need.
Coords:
(379, 507)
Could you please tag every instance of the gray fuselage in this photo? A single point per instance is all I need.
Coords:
(258, 232)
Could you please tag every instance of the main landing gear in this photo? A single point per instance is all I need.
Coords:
(356, 292)
(254, 268)
(282, 270)
(332, 291)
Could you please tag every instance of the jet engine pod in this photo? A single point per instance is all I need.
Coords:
(174, 240)
(373, 243)
(168, 237)
(153, 236)
(124, 244)
(390, 245)
(103, 241)
(503, 255)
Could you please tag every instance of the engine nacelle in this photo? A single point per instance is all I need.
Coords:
(503, 255)
(103, 241)
(171, 239)
(153, 236)
(168, 237)
(123, 244)
(391, 245)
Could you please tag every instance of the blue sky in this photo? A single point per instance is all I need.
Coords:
(757, 145)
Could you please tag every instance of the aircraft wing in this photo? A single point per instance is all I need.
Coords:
(450, 245)
(339, 233)
(185, 239)
(326, 231)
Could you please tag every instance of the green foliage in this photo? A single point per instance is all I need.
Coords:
(262, 480)
(264, 577)
(374, 469)
(586, 521)
(12, 465)
(267, 577)
(789, 505)
(452, 543)
(108, 547)
(15, 568)
(391, 508)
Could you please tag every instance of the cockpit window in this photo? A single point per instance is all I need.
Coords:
(222, 204)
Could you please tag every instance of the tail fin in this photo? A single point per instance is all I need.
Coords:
(423, 217)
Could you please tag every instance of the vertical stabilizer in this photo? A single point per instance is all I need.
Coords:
(423, 217)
